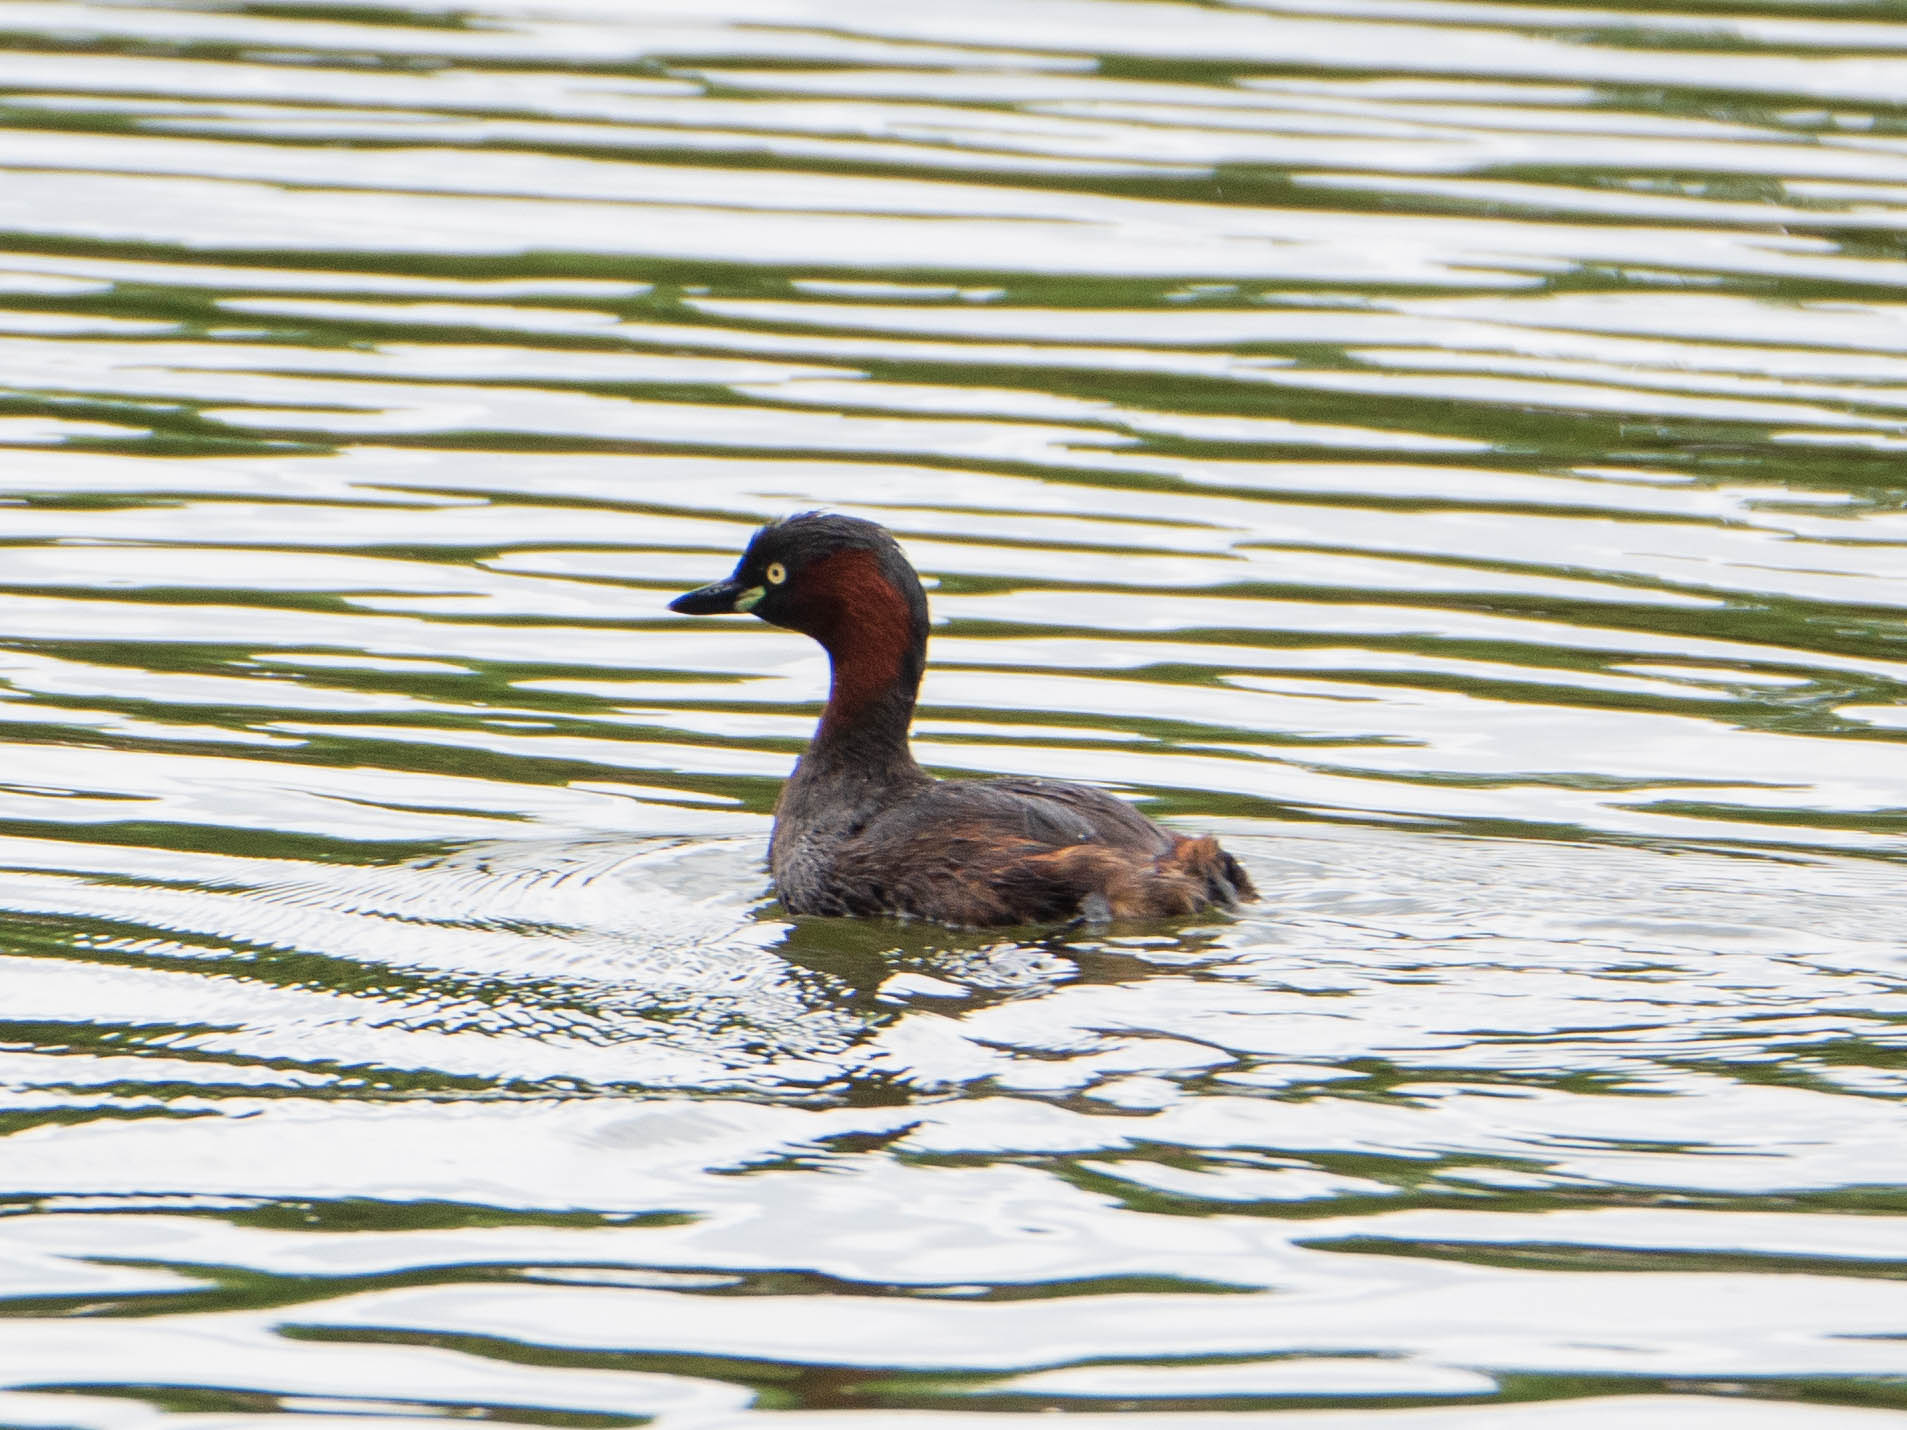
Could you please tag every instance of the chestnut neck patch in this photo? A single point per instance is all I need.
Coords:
(867, 627)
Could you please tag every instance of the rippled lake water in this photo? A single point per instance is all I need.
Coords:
(1454, 451)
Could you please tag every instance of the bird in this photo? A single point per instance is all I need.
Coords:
(862, 830)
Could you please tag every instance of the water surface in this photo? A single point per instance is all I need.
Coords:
(1452, 451)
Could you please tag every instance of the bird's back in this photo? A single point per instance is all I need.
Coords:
(1008, 851)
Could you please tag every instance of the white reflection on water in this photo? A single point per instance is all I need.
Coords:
(1413, 1025)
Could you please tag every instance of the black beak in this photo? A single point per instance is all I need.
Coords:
(721, 599)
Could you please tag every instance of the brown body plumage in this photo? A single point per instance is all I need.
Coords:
(861, 829)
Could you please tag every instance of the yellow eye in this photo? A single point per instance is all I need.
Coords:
(776, 573)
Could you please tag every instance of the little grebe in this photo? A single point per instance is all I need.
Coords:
(861, 829)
